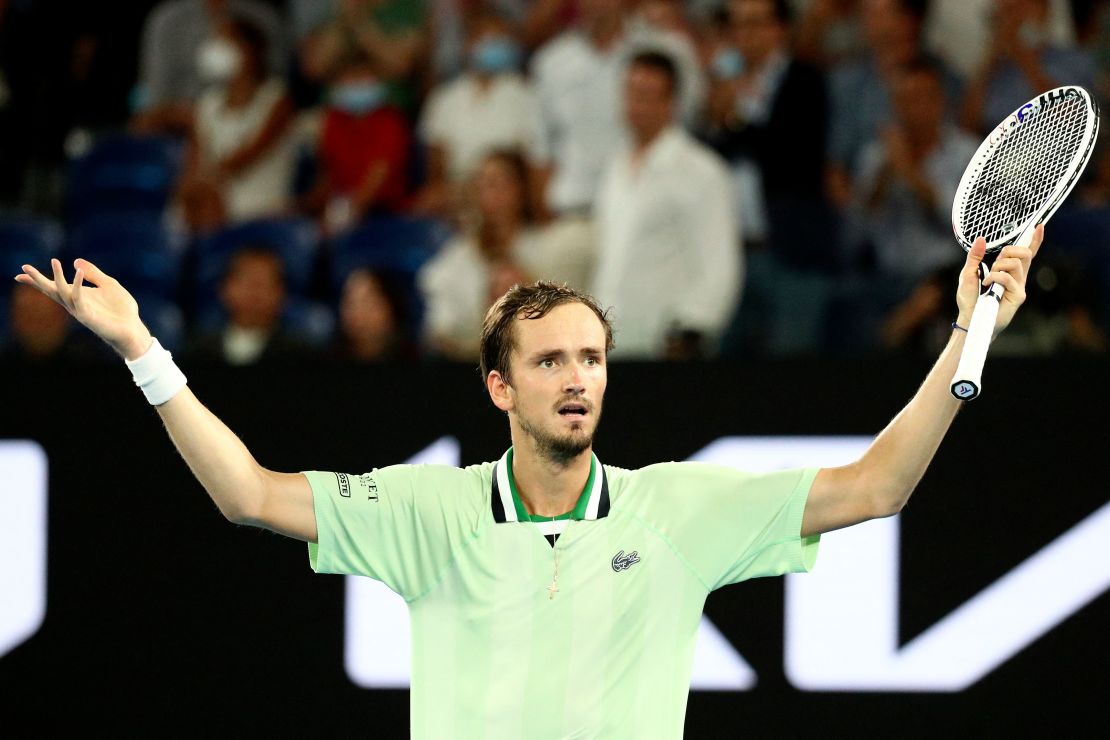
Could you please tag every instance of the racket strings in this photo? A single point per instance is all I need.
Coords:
(1017, 177)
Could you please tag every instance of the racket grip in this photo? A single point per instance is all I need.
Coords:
(968, 380)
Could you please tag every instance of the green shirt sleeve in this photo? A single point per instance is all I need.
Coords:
(731, 525)
(398, 524)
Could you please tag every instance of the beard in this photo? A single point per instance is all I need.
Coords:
(559, 448)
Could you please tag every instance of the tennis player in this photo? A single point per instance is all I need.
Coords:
(551, 596)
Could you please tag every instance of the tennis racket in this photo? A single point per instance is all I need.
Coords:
(1019, 176)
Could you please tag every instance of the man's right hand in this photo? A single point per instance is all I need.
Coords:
(108, 311)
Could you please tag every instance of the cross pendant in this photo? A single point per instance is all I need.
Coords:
(551, 590)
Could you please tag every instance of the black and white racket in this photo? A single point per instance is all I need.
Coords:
(1017, 179)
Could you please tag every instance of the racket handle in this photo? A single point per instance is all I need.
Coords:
(968, 380)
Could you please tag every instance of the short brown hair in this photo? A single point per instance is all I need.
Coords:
(532, 301)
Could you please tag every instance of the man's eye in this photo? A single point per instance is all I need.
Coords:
(547, 363)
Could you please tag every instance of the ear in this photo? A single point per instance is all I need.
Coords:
(500, 392)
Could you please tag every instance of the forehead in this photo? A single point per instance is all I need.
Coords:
(569, 326)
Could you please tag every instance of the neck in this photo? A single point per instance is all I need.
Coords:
(497, 234)
(369, 346)
(240, 91)
(548, 487)
(604, 32)
(923, 141)
(644, 139)
(484, 80)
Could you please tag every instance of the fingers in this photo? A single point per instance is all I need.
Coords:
(77, 280)
(1015, 289)
(1038, 237)
(60, 283)
(1008, 265)
(92, 273)
(40, 281)
(975, 256)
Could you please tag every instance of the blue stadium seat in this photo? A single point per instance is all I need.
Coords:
(138, 249)
(396, 243)
(123, 172)
(295, 239)
(27, 240)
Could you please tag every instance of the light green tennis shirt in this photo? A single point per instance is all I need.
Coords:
(593, 637)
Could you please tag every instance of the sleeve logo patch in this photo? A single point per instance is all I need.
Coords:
(344, 485)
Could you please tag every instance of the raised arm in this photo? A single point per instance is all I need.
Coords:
(880, 482)
(244, 491)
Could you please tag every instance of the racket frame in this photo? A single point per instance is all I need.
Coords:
(967, 382)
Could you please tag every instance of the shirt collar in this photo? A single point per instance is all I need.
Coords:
(593, 502)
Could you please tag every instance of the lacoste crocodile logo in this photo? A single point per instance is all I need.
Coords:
(624, 562)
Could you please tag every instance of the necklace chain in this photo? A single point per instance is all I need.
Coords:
(554, 587)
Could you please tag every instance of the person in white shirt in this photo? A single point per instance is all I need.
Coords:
(669, 253)
(490, 106)
(241, 158)
(501, 246)
(578, 77)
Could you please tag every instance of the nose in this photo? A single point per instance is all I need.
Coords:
(573, 383)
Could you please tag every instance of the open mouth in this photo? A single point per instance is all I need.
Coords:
(573, 411)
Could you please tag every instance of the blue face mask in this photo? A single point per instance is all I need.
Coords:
(728, 63)
(495, 55)
(358, 98)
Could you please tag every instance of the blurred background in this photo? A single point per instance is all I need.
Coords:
(321, 198)
(359, 179)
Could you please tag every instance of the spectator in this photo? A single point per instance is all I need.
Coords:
(363, 151)
(668, 242)
(39, 330)
(1021, 62)
(956, 30)
(772, 106)
(180, 50)
(829, 33)
(578, 77)
(252, 294)
(860, 90)
(241, 159)
(905, 184)
(490, 106)
(1060, 300)
(391, 34)
(500, 247)
(451, 24)
(372, 320)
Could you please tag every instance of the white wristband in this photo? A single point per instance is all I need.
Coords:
(156, 374)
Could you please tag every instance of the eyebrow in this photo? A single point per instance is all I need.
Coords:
(540, 354)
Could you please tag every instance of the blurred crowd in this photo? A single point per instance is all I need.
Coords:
(360, 179)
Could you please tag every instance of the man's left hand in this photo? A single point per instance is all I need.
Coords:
(1010, 270)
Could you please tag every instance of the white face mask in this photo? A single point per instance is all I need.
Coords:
(218, 60)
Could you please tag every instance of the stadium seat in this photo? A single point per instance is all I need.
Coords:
(28, 240)
(138, 249)
(401, 243)
(123, 172)
(295, 239)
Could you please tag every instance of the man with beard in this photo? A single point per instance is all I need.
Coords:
(550, 595)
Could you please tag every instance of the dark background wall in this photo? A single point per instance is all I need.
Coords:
(161, 615)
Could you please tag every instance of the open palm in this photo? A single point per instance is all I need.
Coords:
(107, 309)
